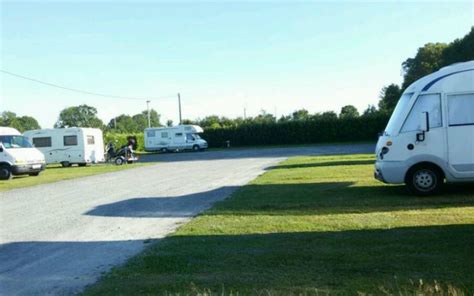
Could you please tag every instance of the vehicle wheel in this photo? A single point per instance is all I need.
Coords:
(34, 174)
(5, 172)
(82, 164)
(164, 150)
(424, 180)
(119, 161)
(66, 164)
(196, 148)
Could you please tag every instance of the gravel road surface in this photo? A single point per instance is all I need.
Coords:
(57, 238)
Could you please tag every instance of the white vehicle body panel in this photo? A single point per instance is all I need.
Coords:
(73, 145)
(449, 144)
(181, 137)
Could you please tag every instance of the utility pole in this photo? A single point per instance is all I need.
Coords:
(148, 109)
(245, 113)
(115, 122)
(179, 103)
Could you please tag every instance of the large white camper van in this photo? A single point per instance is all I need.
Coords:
(69, 146)
(430, 136)
(17, 155)
(180, 137)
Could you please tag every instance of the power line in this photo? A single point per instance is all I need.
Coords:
(79, 90)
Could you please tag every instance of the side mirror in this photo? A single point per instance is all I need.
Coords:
(1, 147)
(424, 126)
(424, 122)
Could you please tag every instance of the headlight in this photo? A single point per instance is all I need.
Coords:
(20, 161)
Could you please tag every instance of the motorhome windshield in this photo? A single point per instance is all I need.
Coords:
(397, 114)
(11, 142)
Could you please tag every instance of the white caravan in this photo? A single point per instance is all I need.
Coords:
(69, 146)
(17, 155)
(430, 136)
(180, 137)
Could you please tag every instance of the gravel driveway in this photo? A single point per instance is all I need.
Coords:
(57, 238)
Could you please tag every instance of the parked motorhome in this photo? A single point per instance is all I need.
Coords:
(69, 146)
(430, 136)
(17, 155)
(181, 137)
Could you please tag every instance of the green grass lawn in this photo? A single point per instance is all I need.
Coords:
(55, 173)
(313, 226)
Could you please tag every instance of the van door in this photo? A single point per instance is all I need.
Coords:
(461, 134)
(179, 140)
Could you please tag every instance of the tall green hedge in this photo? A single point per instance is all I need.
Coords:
(364, 128)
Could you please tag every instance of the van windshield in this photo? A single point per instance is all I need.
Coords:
(397, 114)
(11, 142)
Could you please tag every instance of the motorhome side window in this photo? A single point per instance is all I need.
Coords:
(461, 109)
(90, 140)
(164, 134)
(190, 137)
(178, 134)
(150, 134)
(70, 140)
(42, 142)
(425, 103)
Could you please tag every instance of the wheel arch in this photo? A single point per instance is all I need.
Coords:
(425, 164)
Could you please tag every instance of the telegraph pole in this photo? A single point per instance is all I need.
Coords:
(179, 104)
(245, 113)
(148, 109)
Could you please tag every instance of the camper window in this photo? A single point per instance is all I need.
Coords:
(150, 134)
(70, 140)
(42, 142)
(90, 140)
(164, 134)
(178, 134)
(460, 109)
(425, 103)
(190, 137)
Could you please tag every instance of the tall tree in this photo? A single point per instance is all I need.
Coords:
(427, 60)
(23, 123)
(460, 50)
(79, 116)
(349, 111)
(389, 97)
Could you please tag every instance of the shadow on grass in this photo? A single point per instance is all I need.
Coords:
(287, 199)
(341, 262)
(322, 164)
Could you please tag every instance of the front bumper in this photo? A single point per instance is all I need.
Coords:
(28, 168)
(392, 172)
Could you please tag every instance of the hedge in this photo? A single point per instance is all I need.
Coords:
(315, 131)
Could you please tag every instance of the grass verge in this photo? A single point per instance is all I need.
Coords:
(55, 172)
(313, 226)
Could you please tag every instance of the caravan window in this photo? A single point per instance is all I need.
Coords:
(150, 134)
(164, 134)
(461, 109)
(90, 140)
(178, 134)
(70, 140)
(425, 103)
(42, 142)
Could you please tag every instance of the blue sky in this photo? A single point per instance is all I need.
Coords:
(222, 57)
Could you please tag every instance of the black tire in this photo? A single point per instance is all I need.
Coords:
(82, 164)
(34, 174)
(66, 164)
(119, 161)
(5, 172)
(424, 180)
(196, 148)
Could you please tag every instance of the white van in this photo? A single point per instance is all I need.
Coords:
(430, 136)
(69, 146)
(17, 155)
(180, 137)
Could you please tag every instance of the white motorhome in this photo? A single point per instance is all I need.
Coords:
(430, 136)
(69, 146)
(17, 155)
(180, 137)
